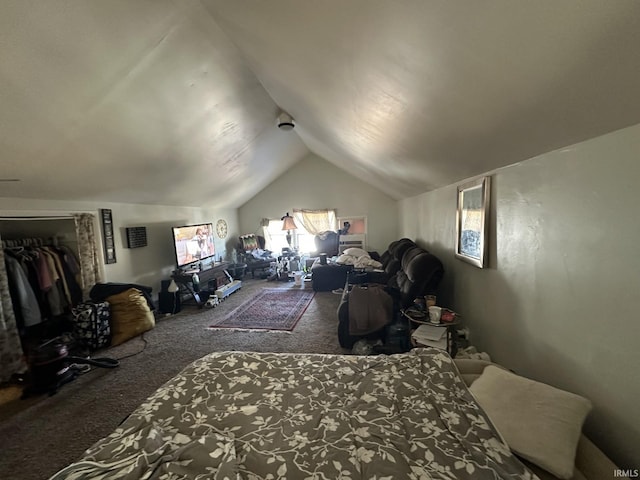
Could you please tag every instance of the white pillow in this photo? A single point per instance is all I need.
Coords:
(356, 252)
(539, 422)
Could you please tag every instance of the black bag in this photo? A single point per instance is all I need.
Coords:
(92, 328)
(51, 366)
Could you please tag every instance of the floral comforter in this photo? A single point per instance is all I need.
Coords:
(260, 416)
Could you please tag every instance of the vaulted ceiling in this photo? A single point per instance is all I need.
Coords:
(174, 102)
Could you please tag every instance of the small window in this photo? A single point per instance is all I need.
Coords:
(300, 238)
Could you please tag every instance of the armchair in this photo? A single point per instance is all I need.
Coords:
(251, 252)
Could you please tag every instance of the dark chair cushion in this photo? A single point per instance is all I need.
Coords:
(325, 278)
(420, 277)
(327, 242)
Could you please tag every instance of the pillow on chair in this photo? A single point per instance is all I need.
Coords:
(249, 242)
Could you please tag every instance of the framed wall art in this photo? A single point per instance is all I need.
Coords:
(107, 236)
(472, 222)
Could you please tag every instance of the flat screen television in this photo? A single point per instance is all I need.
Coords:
(193, 243)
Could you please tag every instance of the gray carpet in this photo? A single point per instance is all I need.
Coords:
(54, 431)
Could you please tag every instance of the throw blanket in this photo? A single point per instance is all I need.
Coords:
(370, 309)
(358, 258)
(238, 415)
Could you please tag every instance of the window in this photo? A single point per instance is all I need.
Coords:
(276, 239)
(302, 239)
(306, 241)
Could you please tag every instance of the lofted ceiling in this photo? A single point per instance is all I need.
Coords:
(174, 102)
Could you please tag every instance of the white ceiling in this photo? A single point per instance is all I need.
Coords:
(174, 102)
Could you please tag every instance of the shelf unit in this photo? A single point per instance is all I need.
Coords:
(357, 234)
(358, 240)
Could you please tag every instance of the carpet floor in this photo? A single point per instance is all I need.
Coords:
(45, 434)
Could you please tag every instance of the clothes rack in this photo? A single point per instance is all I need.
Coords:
(29, 242)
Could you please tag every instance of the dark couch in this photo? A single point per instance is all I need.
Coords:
(410, 272)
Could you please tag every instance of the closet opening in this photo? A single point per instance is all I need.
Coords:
(43, 275)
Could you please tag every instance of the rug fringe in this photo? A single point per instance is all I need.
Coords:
(250, 329)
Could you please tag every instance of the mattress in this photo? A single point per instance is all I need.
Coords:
(246, 415)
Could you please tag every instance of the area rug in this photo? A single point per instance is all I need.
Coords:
(270, 309)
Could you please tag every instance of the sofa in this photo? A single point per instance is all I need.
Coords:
(409, 272)
(328, 277)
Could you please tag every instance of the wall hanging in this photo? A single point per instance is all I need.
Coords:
(472, 222)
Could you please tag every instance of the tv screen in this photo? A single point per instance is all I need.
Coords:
(193, 243)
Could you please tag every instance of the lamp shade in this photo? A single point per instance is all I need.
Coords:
(288, 223)
(173, 287)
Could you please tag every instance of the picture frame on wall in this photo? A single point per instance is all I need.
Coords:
(472, 222)
(107, 236)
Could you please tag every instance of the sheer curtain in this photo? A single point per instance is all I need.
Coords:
(88, 252)
(12, 359)
(264, 231)
(315, 221)
(275, 236)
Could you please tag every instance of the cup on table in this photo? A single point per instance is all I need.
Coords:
(430, 300)
(434, 314)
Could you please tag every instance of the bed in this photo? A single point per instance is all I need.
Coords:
(245, 415)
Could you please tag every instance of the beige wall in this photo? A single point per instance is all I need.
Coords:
(146, 265)
(314, 183)
(559, 302)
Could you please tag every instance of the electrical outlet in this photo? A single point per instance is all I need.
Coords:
(463, 333)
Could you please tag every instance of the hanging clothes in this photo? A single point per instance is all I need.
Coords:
(12, 359)
(47, 271)
(25, 303)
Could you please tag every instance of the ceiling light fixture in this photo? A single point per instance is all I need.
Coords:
(285, 122)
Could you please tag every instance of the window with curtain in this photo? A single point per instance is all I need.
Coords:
(275, 238)
(309, 223)
(315, 221)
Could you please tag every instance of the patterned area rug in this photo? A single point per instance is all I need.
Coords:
(270, 309)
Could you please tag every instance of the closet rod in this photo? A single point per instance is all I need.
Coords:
(67, 217)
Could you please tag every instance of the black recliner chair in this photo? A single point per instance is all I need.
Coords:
(419, 274)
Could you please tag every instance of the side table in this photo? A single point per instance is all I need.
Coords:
(450, 343)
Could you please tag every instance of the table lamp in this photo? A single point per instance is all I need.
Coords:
(288, 224)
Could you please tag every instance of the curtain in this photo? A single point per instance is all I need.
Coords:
(12, 359)
(315, 221)
(264, 231)
(88, 252)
